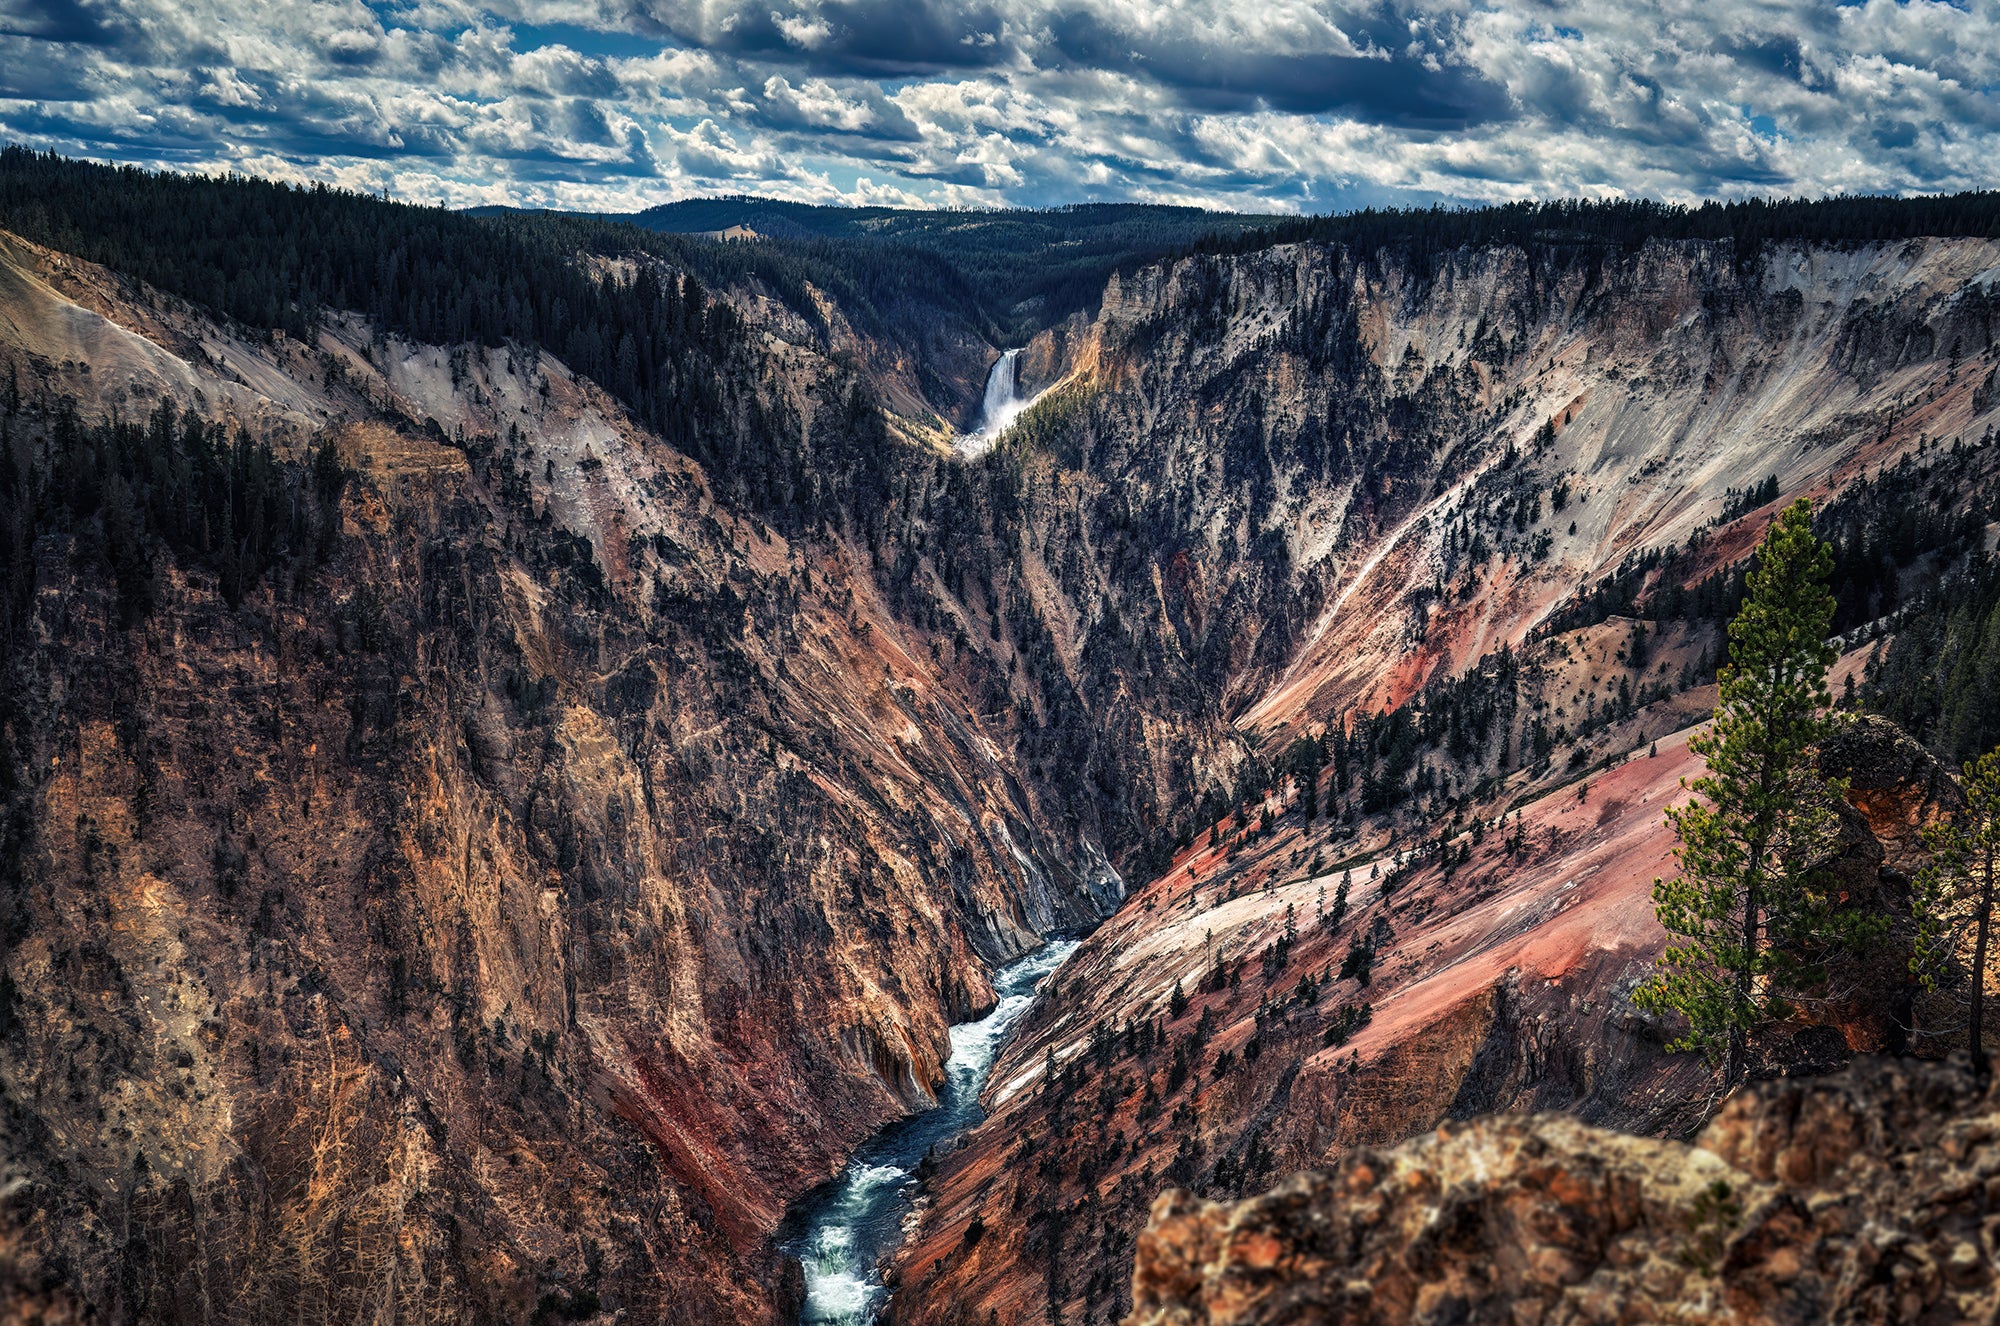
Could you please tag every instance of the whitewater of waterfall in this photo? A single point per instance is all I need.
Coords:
(858, 1219)
(1003, 402)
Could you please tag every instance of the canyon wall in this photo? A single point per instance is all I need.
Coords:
(511, 907)
(521, 907)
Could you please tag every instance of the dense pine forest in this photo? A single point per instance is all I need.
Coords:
(274, 257)
(222, 502)
(1539, 227)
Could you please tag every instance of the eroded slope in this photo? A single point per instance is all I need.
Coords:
(1370, 479)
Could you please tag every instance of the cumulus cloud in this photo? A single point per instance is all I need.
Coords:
(1282, 105)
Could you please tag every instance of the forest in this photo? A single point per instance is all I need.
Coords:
(224, 503)
(1426, 234)
(274, 257)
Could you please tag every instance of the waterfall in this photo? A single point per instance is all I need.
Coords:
(999, 392)
(1002, 403)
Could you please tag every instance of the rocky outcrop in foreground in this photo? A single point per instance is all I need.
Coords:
(1863, 1197)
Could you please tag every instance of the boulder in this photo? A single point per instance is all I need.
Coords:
(1896, 785)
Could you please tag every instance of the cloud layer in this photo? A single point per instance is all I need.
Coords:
(1280, 105)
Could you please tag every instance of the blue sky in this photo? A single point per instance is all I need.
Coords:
(1286, 105)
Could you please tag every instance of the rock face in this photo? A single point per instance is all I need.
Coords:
(1894, 784)
(1863, 1197)
(1501, 985)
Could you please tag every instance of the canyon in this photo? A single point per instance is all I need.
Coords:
(517, 906)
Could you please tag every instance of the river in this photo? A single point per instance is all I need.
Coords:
(855, 1221)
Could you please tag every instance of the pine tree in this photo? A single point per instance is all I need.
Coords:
(1954, 890)
(1748, 918)
(1359, 960)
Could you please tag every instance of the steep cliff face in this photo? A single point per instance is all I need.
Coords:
(1311, 439)
(1859, 1197)
(1376, 478)
(1272, 491)
(521, 906)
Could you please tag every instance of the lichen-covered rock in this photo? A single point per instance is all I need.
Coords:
(1861, 1197)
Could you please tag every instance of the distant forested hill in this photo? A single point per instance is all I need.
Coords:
(1028, 268)
(273, 256)
(1750, 224)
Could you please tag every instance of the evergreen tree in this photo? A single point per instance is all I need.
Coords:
(1954, 890)
(1748, 918)
(1331, 918)
(1360, 959)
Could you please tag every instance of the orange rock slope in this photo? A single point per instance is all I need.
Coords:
(1499, 983)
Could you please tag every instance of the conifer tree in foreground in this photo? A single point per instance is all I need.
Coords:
(1954, 890)
(1749, 918)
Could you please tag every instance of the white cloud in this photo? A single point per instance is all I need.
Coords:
(808, 34)
(1287, 104)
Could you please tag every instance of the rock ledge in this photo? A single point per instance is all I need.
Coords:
(1869, 1196)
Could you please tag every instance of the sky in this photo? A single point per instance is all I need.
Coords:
(1255, 105)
